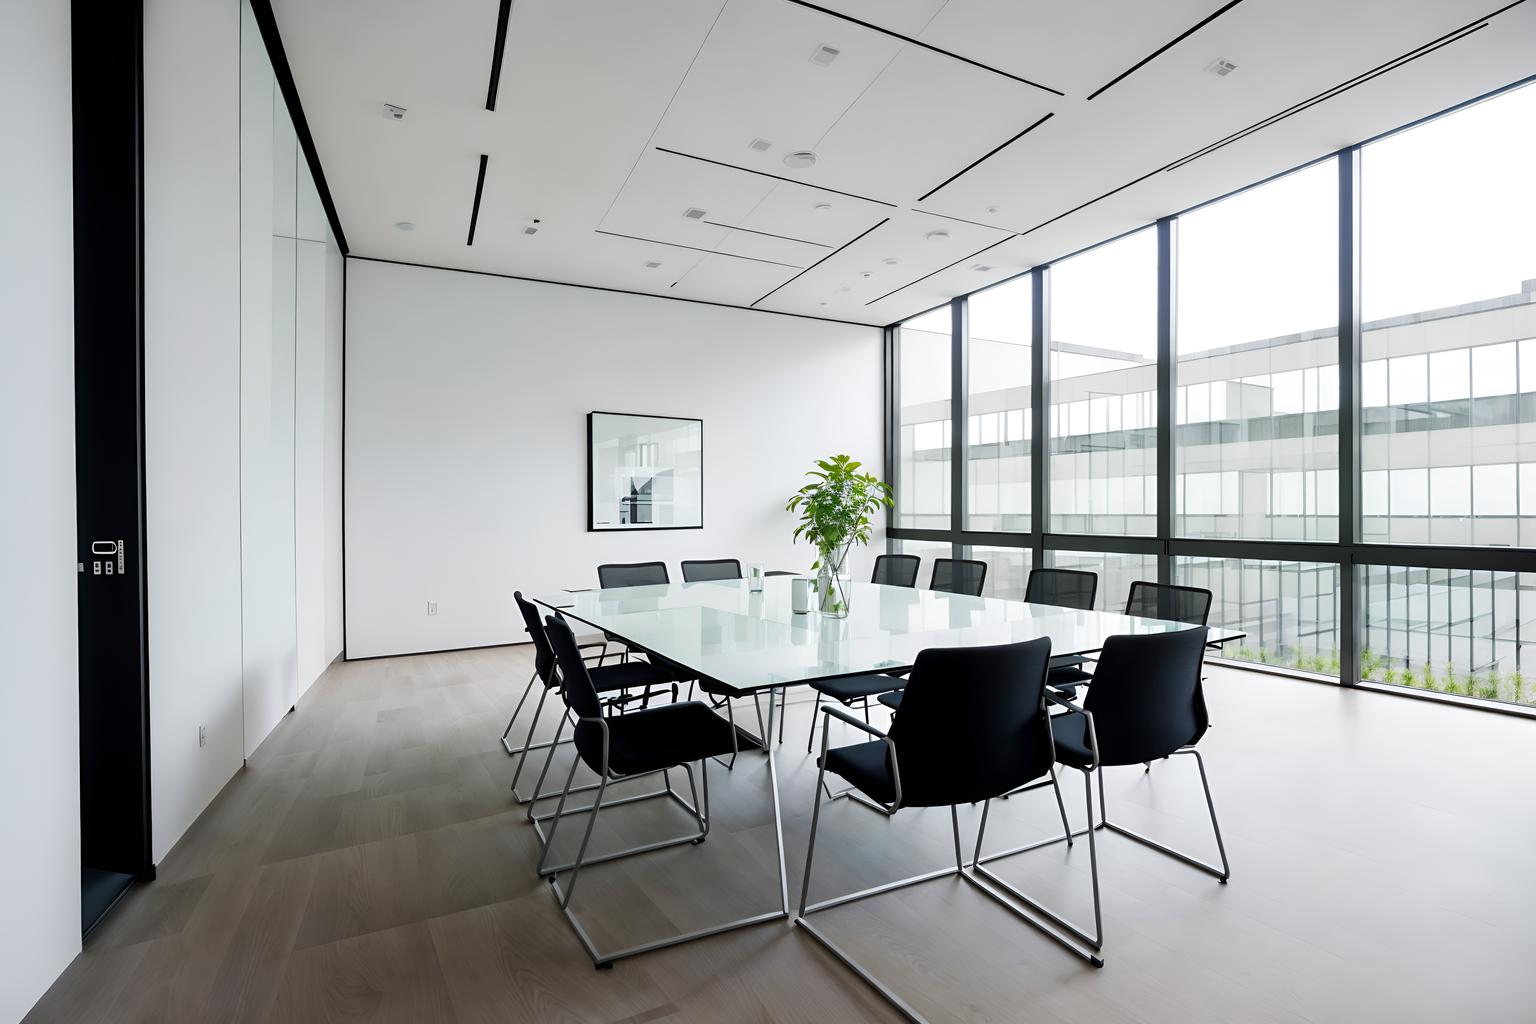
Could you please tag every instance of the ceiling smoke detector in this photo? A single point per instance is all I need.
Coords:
(890, 261)
(393, 113)
(405, 225)
(694, 213)
(1221, 67)
(760, 145)
(824, 55)
(937, 236)
(822, 207)
(800, 159)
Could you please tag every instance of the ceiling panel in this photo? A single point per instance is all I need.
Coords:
(590, 92)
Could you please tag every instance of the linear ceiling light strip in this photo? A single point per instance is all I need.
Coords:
(948, 266)
(917, 42)
(474, 211)
(502, 18)
(694, 248)
(1176, 40)
(828, 256)
(977, 162)
(775, 177)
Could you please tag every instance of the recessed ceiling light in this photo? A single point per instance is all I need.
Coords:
(800, 159)
(994, 209)
(393, 113)
(694, 213)
(530, 230)
(405, 225)
(760, 145)
(823, 303)
(865, 273)
(652, 264)
(890, 261)
(981, 267)
(937, 236)
(1221, 67)
(822, 207)
(824, 55)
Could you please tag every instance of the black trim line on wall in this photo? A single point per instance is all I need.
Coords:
(694, 248)
(926, 46)
(267, 22)
(503, 16)
(824, 259)
(1176, 40)
(982, 159)
(617, 291)
(775, 177)
(474, 212)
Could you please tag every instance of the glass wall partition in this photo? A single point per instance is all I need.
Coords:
(1350, 458)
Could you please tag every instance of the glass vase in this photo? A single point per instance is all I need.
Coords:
(833, 587)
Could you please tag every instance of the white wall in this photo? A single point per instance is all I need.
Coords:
(466, 461)
(241, 373)
(192, 409)
(39, 686)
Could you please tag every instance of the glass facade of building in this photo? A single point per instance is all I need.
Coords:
(1389, 537)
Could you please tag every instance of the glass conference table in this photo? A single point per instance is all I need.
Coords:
(753, 642)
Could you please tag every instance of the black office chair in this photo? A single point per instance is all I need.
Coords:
(973, 727)
(625, 747)
(631, 574)
(1169, 601)
(958, 576)
(1146, 702)
(896, 570)
(711, 569)
(614, 682)
(1066, 588)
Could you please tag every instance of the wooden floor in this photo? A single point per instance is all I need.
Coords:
(368, 865)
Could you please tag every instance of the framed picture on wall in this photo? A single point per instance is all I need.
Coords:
(644, 472)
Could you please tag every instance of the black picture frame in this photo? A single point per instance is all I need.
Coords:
(593, 526)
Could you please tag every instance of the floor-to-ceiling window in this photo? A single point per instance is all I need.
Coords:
(1201, 425)
(1103, 388)
(923, 432)
(1448, 396)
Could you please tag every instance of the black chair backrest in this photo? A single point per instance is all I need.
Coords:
(543, 654)
(1066, 588)
(577, 691)
(1146, 697)
(958, 576)
(632, 574)
(1168, 601)
(971, 725)
(896, 570)
(711, 569)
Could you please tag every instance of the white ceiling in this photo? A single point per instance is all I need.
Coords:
(613, 117)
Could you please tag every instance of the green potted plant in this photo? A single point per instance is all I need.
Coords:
(836, 510)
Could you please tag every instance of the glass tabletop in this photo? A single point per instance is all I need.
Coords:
(753, 640)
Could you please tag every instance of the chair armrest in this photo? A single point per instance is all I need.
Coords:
(1052, 698)
(857, 723)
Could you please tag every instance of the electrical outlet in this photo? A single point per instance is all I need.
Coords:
(431, 607)
(202, 736)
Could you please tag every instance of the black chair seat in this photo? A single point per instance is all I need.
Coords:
(1068, 676)
(655, 738)
(866, 766)
(629, 675)
(1069, 733)
(851, 688)
(891, 700)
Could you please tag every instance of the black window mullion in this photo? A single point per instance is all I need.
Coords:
(1349, 406)
(959, 447)
(1039, 411)
(1167, 277)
